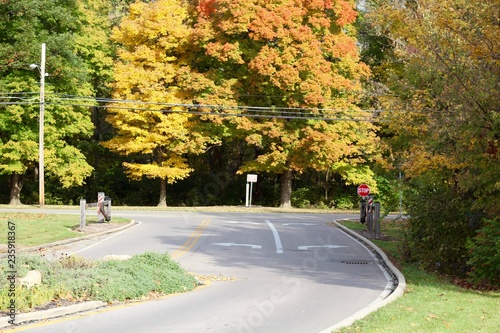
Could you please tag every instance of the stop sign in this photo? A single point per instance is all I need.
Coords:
(363, 190)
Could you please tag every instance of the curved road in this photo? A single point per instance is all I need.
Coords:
(271, 273)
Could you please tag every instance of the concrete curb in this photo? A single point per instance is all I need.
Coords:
(51, 313)
(398, 291)
(72, 240)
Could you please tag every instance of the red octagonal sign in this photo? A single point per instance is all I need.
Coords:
(363, 190)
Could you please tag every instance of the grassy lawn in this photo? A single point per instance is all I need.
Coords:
(33, 229)
(430, 303)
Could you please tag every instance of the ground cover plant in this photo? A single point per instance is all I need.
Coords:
(76, 279)
(431, 303)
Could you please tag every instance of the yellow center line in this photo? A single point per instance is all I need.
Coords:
(191, 241)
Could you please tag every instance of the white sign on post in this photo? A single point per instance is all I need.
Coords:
(251, 178)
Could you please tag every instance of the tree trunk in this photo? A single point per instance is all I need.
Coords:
(286, 189)
(16, 185)
(326, 186)
(163, 193)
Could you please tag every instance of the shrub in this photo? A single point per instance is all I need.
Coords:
(77, 278)
(438, 230)
(344, 202)
(484, 250)
(301, 198)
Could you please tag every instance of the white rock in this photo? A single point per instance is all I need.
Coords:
(31, 279)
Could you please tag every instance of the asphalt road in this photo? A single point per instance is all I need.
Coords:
(272, 273)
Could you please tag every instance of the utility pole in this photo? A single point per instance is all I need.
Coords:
(41, 130)
(41, 171)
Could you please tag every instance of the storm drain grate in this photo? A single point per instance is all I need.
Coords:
(357, 262)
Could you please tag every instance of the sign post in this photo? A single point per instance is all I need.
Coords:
(376, 208)
(251, 178)
(370, 214)
(100, 203)
(363, 192)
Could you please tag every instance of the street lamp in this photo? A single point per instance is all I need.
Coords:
(41, 161)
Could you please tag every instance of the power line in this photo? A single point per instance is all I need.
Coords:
(327, 114)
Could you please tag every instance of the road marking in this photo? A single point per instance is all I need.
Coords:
(191, 241)
(235, 244)
(302, 223)
(316, 246)
(241, 222)
(105, 239)
(277, 240)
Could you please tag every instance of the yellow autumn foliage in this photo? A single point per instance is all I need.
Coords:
(153, 39)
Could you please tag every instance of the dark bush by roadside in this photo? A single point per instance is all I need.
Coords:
(446, 235)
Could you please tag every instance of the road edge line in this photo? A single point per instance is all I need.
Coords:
(397, 293)
(72, 240)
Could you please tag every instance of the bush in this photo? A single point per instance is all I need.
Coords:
(438, 230)
(344, 202)
(301, 197)
(77, 278)
(484, 250)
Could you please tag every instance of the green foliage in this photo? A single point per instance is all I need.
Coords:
(76, 278)
(441, 71)
(388, 193)
(25, 26)
(438, 229)
(355, 174)
(484, 250)
(134, 278)
(301, 198)
(345, 202)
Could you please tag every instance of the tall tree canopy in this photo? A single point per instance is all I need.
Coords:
(154, 39)
(448, 96)
(24, 26)
(445, 118)
(296, 55)
(287, 54)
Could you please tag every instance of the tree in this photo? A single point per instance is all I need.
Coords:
(24, 26)
(444, 125)
(298, 56)
(154, 39)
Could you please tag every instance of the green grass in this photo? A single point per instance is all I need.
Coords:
(33, 229)
(430, 303)
(77, 279)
